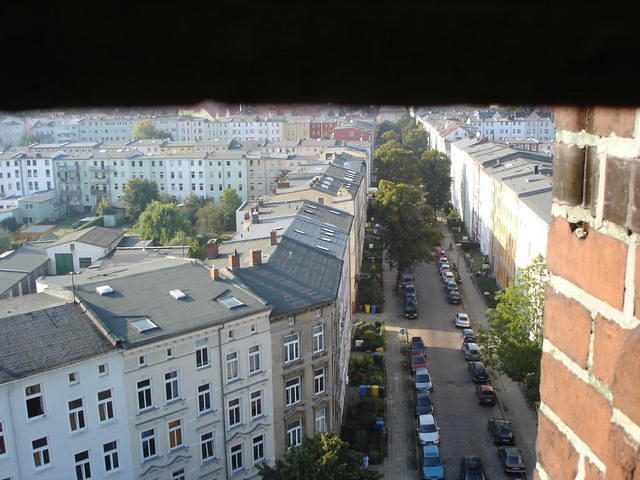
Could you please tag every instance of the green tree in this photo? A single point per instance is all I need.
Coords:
(166, 198)
(5, 241)
(396, 163)
(103, 208)
(512, 342)
(229, 203)
(435, 172)
(161, 222)
(210, 219)
(409, 226)
(190, 206)
(416, 139)
(405, 121)
(321, 457)
(146, 129)
(138, 193)
(28, 138)
(388, 136)
(10, 224)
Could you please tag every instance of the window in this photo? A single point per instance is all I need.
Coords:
(318, 338)
(105, 405)
(171, 386)
(76, 415)
(103, 369)
(236, 457)
(258, 448)
(148, 438)
(74, 378)
(202, 354)
(204, 398)
(294, 434)
(233, 411)
(141, 361)
(169, 352)
(144, 394)
(230, 334)
(292, 391)
(256, 403)
(175, 434)
(291, 347)
(34, 401)
(232, 366)
(321, 420)
(254, 359)
(110, 456)
(40, 452)
(318, 381)
(83, 466)
(206, 445)
(178, 474)
(3, 447)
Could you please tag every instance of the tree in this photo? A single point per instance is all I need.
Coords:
(161, 222)
(146, 129)
(103, 208)
(512, 342)
(416, 139)
(5, 241)
(28, 138)
(383, 128)
(229, 202)
(409, 225)
(210, 219)
(435, 171)
(138, 193)
(321, 457)
(396, 163)
(388, 136)
(190, 206)
(10, 224)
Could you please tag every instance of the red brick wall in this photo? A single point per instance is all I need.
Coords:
(589, 417)
(351, 134)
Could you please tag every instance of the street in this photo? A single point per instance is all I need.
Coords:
(463, 423)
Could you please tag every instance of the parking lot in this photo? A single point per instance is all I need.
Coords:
(462, 421)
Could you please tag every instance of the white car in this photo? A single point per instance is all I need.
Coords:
(448, 277)
(461, 320)
(444, 267)
(428, 430)
(423, 380)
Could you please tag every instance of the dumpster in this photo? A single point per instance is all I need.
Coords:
(374, 390)
(363, 390)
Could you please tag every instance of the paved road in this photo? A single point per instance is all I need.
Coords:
(462, 421)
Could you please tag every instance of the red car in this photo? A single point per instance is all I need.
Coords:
(418, 361)
(440, 253)
(486, 395)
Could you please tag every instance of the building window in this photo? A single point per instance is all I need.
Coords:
(144, 394)
(141, 361)
(110, 456)
(258, 448)
(204, 398)
(294, 434)
(83, 466)
(232, 366)
(254, 359)
(202, 354)
(233, 411)
(292, 391)
(74, 378)
(318, 338)
(318, 381)
(206, 445)
(40, 449)
(103, 369)
(105, 405)
(171, 386)
(76, 415)
(175, 434)
(178, 474)
(236, 457)
(256, 403)
(34, 401)
(291, 347)
(321, 420)
(3, 446)
(148, 438)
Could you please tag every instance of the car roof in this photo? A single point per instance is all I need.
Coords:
(472, 346)
(427, 418)
(421, 371)
(461, 314)
(486, 388)
(473, 461)
(430, 450)
(468, 331)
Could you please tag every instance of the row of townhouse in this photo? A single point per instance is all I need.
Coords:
(504, 198)
(496, 124)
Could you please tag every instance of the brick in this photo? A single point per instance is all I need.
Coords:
(626, 383)
(570, 118)
(591, 472)
(568, 171)
(567, 324)
(604, 121)
(578, 404)
(608, 340)
(595, 263)
(617, 197)
(623, 461)
(636, 279)
(591, 179)
(633, 219)
(554, 451)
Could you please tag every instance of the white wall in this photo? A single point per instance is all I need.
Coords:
(79, 250)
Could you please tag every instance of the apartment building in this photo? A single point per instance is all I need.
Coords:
(23, 173)
(496, 124)
(11, 129)
(56, 130)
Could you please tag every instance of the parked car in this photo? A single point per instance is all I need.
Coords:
(451, 286)
(424, 405)
(444, 267)
(428, 430)
(423, 380)
(417, 346)
(432, 468)
(511, 459)
(471, 352)
(471, 468)
(448, 277)
(501, 432)
(409, 307)
(453, 297)
(418, 361)
(478, 372)
(442, 259)
(486, 395)
(461, 320)
(406, 278)
(439, 253)
(415, 341)
(409, 289)
(468, 336)
(410, 297)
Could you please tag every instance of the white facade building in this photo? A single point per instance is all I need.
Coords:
(23, 173)
(11, 129)
(496, 125)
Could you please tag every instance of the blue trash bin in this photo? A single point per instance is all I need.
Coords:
(363, 390)
(379, 425)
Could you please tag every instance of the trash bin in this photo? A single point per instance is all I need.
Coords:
(373, 308)
(368, 390)
(379, 425)
(367, 307)
(362, 390)
(374, 390)
(380, 350)
(381, 389)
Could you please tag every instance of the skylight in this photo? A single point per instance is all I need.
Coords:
(231, 302)
(104, 290)
(322, 248)
(299, 231)
(334, 212)
(312, 206)
(177, 294)
(144, 324)
(326, 239)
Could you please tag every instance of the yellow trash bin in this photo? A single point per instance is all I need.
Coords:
(367, 307)
(374, 390)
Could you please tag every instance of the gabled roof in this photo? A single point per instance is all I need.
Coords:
(96, 236)
(19, 264)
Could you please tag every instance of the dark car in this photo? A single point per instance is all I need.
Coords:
(471, 468)
(409, 289)
(417, 345)
(453, 297)
(418, 361)
(501, 432)
(423, 403)
(471, 352)
(478, 372)
(416, 341)
(409, 307)
(486, 395)
(511, 459)
(406, 278)
(468, 336)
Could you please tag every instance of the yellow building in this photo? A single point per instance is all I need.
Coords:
(296, 127)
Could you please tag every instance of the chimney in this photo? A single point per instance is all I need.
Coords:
(256, 257)
(234, 260)
(215, 273)
(321, 200)
(255, 217)
(247, 216)
(212, 249)
(260, 202)
(274, 237)
(536, 169)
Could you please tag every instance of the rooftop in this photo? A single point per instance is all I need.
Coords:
(97, 236)
(19, 264)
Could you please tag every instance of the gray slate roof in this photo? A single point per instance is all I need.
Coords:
(21, 263)
(97, 236)
(40, 332)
